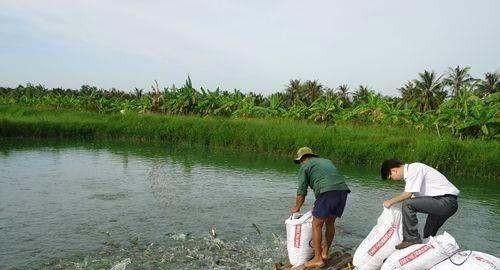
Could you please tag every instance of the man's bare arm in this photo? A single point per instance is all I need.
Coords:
(397, 199)
(298, 203)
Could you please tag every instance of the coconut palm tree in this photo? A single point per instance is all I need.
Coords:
(138, 92)
(408, 92)
(293, 91)
(457, 78)
(329, 93)
(312, 90)
(429, 91)
(343, 93)
(361, 95)
(489, 85)
(307, 92)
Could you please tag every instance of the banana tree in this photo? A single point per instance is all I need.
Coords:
(325, 109)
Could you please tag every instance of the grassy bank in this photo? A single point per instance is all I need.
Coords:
(359, 145)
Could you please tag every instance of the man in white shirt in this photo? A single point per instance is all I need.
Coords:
(426, 191)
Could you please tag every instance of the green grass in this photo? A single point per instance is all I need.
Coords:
(348, 144)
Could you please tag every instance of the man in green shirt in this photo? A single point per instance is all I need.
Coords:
(331, 193)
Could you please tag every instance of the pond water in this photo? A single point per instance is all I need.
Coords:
(75, 205)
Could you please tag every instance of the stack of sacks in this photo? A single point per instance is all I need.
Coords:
(469, 260)
(381, 241)
(422, 256)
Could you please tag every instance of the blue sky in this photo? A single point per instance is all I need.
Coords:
(249, 45)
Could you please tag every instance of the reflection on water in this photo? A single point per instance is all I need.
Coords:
(91, 206)
(110, 196)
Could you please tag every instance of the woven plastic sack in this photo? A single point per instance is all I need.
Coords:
(381, 241)
(299, 238)
(422, 256)
(469, 260)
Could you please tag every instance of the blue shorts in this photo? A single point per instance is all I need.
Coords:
(330, 204)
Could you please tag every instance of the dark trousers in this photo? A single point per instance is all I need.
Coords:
(438, 208)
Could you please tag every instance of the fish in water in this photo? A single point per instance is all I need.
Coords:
(256, 228)
(213, 231)
(122, 265)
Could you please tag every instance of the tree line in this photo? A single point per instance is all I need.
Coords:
(454, 102)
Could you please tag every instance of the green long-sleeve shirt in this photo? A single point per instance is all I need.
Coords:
(321, 175)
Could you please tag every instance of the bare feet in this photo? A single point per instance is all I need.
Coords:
(314, 262)
(325, 252)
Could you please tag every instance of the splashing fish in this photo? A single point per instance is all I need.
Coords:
(213, 231)
(256, 228)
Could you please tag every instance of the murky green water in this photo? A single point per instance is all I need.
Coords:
(84, 205)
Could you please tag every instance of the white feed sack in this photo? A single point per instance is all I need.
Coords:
(381, 241)
(299, 238)
(469, 260)
(422, 256)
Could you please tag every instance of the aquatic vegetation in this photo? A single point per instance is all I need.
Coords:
(355, 144)
(456, 132)
(453, 103)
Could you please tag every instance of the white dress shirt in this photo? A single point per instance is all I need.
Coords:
(423, 180)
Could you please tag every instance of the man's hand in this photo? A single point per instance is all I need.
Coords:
(295, 209)
(401, 197)
(387, 203)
